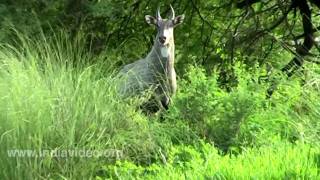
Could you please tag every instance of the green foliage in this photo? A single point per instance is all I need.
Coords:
(57, 92)
(244, 116)
(30, 17)
(278, 161)
(213, 112)
(52, 98)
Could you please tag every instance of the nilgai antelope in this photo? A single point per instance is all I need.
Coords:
(155, 72)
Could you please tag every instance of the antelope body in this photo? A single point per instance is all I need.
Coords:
(156, 71)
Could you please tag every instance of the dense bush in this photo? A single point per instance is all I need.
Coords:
(243, 116)
(214, 113)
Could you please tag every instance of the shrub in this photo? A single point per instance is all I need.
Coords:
(215, 114)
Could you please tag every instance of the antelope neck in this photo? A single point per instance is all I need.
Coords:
(162, 54)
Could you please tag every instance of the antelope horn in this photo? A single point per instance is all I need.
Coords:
(158, 15)
(172, 13)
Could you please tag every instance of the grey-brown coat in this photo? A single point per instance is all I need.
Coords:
(156, 71)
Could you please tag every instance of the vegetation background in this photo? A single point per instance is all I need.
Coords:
(247, 105)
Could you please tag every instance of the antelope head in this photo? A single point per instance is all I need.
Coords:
(164, 26)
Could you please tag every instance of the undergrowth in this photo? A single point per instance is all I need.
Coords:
(51, 98)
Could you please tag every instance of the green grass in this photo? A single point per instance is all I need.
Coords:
(52, 98)
(278, 161)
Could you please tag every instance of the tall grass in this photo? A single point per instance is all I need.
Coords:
(55, 95)
(46, 102)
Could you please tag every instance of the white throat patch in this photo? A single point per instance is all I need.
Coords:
(164, 52)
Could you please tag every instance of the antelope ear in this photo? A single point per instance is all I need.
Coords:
(150, 19)
(178, 20)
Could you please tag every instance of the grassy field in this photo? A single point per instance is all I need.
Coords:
(52, 99)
